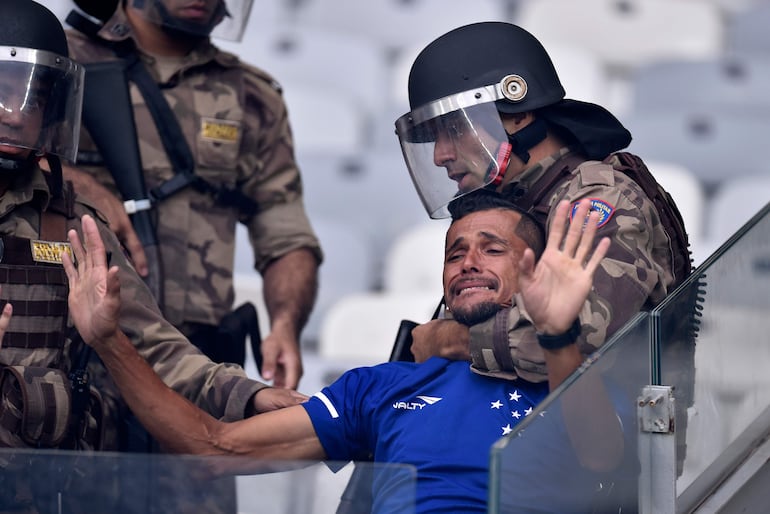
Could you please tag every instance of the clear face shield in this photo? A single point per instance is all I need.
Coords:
(41, 97)
(453, 146)
(225, 19)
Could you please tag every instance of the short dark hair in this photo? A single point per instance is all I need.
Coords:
(528, 228)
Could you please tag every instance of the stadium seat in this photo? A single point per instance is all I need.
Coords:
(736, 83)
(413, 261)
(716, 146)
(324, 118)
(688, 193)
(352, 65)
(627, 33)
(735, 202)
(348, 268)
(362, 327)
(746, 30)
(397, 23)
(369, 191)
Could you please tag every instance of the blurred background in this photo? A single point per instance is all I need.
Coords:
(689, 78)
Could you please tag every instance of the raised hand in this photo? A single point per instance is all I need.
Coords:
(94, 297)
(554, 290)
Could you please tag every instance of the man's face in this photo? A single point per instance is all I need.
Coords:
(481, 264)
(21, 114)
(466, 149)
(193, 11)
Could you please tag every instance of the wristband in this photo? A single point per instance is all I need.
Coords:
(555, 342)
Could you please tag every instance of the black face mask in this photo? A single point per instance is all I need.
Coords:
(181, 28)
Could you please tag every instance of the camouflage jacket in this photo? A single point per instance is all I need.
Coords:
(222, 390)
(636, 273)
(237, 128)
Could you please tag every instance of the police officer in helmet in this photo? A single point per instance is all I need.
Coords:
(488, 111)
(41, 91)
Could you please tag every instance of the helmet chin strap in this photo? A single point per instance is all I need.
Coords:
(519, 144)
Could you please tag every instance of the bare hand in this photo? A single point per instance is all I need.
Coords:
(114, 211)
(94, 296)
(272, 398)
(555, 290)
(281, 360)
(441, 337)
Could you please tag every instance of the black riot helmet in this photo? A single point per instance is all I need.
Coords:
(41, 89)
(484, 54)
(458, 87)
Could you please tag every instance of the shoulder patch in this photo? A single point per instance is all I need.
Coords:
(604, 209)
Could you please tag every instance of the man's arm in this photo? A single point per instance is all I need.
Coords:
(178, 425)
(290, 286)
(552, 293)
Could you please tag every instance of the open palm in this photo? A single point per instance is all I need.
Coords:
(554, 290)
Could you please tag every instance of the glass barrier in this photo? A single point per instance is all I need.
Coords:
(577, 452)
(722, 382)
(57, 482)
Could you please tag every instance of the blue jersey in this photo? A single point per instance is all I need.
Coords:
(438, 416)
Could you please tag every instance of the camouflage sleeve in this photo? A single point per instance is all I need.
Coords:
(222, 390)
(634, 274)
(281, 223)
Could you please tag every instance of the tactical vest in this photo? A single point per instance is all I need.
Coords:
(40, 405)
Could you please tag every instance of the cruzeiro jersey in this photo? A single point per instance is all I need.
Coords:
(438, 416)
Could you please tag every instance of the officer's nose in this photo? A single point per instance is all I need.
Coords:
(444, 150)
(10, 114)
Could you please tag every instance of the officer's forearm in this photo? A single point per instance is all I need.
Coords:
(290, 286)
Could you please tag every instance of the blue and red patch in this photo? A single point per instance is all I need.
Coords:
(604, 209)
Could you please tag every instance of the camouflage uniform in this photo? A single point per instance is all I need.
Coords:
(222, 390)
(636, 273)
(237, 128)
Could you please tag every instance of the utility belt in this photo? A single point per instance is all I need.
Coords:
(226, 342)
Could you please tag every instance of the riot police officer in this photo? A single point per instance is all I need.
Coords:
(219, 153)
(488, 111)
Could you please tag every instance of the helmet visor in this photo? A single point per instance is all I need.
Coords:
(451, 148)
(225, 19)
(41, 96)
(234, 23)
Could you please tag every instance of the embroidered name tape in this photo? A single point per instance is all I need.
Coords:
(220, 130)
(50, 251)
